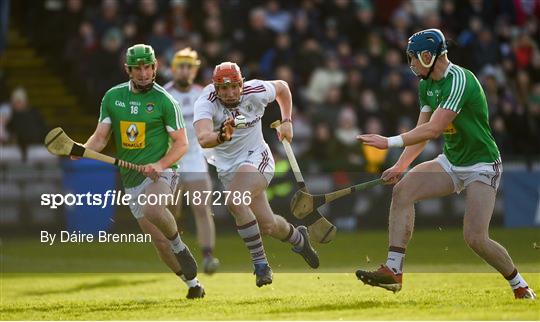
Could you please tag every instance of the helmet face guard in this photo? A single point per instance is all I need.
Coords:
(138, 55)
(227, 74)
(429, 40)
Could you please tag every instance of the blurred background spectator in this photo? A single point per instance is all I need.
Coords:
(344, 60)
(24, 123)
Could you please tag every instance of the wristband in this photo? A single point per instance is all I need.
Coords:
(285, 120)
(395, 141)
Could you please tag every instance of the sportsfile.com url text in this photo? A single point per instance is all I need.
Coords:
(119, 198)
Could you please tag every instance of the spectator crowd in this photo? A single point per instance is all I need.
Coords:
(344, 60)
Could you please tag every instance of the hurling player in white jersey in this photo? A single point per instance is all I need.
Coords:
(244, 161)
(193, 167)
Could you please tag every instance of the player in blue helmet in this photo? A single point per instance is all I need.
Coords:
(453, 104)
(429, 40)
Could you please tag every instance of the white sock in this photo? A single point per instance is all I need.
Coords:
(191, 283)
(517, 282)
(176, 244)
(395, 261)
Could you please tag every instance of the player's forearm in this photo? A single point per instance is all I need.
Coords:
(208, 139)
(421, 134)
(99, 139)
(409, 154)
(175, 153)
(96, 142)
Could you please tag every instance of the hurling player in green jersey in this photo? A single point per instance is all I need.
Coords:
(452, 103)
(148, 129)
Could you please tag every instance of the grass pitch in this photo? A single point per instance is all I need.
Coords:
(234, 296)
(432, 288)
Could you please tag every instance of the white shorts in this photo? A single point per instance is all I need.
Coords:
(262, 160)
(193, 167)
(488, 173)
(170, 177)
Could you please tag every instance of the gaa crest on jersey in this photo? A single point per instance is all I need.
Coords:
(133, 134)
(150, 107)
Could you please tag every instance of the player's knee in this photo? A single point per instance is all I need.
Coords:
(152, 212)
(401, 194)
(267, 227)
(475, 240)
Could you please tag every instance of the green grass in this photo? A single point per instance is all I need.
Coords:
(293, 296)
(444, 280)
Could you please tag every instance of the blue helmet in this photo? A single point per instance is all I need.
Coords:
(430, 40)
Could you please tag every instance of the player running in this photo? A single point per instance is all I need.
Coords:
(452, 103)
(193, 168)
(244, 161)
(143, 118)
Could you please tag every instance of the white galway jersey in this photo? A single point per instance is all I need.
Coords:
(187, 101)
(256, 96)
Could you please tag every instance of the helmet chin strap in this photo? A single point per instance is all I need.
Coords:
(144, 88)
